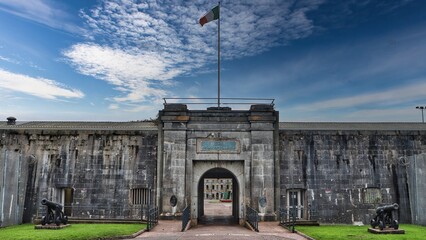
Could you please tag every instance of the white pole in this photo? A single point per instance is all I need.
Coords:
(218, 59)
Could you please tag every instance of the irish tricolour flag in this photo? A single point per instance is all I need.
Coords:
(210, 16)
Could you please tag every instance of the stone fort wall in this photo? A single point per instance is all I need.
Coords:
(344, 174)
(99, 167)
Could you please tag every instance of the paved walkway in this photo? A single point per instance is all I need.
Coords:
(218, 227)
(170, 230)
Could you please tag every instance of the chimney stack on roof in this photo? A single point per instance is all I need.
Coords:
(11, 121)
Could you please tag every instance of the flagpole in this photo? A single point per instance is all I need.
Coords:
(218, 59)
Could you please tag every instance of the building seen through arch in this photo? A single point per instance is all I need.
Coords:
(218, 188)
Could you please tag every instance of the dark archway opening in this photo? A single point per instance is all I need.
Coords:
(223, 194)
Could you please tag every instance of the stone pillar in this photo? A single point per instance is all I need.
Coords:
(171, 183)
(263, 120)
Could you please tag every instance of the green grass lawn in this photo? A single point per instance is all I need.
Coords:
(74, 232)
(336, 232)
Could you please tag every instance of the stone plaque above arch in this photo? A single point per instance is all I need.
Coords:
(207, 145)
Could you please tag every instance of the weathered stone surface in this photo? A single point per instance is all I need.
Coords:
(253, 136)
(336, 168)
(416, 187)
(334, 165)
(100, 166)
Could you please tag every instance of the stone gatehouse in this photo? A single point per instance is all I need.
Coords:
(332, 172)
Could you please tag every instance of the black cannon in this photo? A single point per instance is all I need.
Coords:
(54, 213)
(385, 217)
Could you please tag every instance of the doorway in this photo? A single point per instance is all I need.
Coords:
(295, 201)
(64, 196)
(218, 199)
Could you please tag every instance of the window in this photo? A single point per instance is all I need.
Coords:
(140, 196)
(372, 195)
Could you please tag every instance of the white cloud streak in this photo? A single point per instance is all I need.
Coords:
(383, 115)
(45, 12)
(388, 97)
(8, 60)
(39, 87)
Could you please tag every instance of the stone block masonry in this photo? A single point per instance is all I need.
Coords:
(94, 170)
(345, 175)
(332, 172)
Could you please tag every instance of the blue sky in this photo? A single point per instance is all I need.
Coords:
(116, 60)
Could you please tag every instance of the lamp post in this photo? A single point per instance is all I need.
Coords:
(422, 108)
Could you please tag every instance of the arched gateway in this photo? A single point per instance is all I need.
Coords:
(218, 143)
(220, 169)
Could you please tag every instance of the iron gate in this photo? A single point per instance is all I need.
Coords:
(186, 217)
(252, 218)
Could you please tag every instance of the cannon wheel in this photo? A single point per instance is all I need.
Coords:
(65, 220)
(373, 223)
(58, 221)
(395, 224)
(46, 219)
(43, 220)
(381, 225)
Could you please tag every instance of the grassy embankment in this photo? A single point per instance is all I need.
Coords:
(74, 232)
(337, 232)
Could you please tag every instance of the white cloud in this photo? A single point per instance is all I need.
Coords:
(360, 65)
(113, 106)
(384, 115)
(142, 47)
(171, 28)
(44, 12)
(133, 74)
(396, 95)
(39, 87)
(403, 114)
(8, 60)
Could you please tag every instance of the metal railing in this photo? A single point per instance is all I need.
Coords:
(288, 217)
(224, 101)
(152, 217)
(102, 212)
(313, 213)
(186, 217)
(105, 212)
(252, 218)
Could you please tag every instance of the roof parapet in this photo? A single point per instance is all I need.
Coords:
(11, 121)
(227, 104)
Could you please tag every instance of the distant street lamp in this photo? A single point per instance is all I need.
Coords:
(422, 108)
